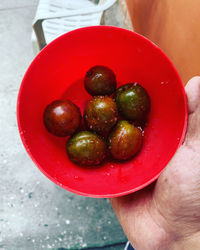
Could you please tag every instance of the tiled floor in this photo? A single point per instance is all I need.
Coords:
(34, 212)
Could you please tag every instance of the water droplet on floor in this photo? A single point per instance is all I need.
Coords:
(67, 222)
(9, 204)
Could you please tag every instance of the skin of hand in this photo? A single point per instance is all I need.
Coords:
(166, 214)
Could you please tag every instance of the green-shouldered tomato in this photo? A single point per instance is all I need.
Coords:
(86, 148)
(133, 102)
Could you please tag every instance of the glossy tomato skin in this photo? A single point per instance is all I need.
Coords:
(100, 114)
(86, 148)
(133, 102)
(100, 80)
(62, 118)
(124, 141)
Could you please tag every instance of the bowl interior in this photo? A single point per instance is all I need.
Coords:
(58, 72)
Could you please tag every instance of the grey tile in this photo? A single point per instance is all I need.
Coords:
(7, 4)
(15, 46)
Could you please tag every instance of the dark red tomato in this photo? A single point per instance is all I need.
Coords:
(100, 114)
(62, 118)
(100, 80)
(124, 141)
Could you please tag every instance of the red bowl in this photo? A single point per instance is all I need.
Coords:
(58, 71)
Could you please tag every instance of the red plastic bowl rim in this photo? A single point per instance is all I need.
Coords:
(110, 28)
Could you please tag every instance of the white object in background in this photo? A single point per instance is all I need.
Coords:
(56, 17)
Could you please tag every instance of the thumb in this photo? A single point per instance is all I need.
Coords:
(193, 96)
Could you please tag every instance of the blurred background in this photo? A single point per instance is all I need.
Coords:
(34, 212)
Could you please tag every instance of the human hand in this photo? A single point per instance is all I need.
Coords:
(166, 214)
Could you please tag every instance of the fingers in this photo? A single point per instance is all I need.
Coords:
(193, 94)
